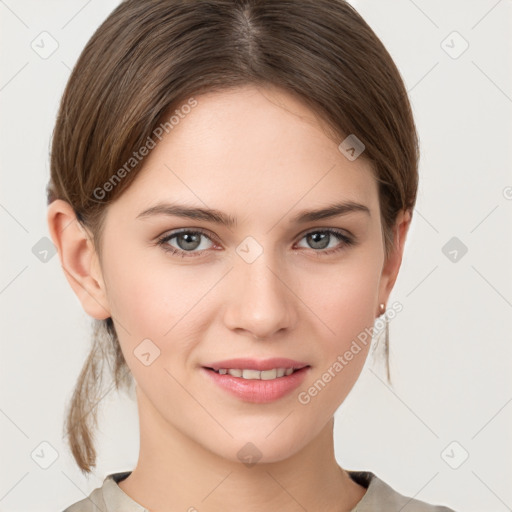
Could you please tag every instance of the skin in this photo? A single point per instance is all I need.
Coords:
(261, 156)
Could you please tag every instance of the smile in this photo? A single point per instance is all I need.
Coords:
(256, 386)
(255, 374)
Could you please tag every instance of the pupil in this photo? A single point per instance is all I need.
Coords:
(189, 242)
(320, 238)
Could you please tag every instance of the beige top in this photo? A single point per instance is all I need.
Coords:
(379, 497)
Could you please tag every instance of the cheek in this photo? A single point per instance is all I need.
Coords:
(147, 294)
(346, 309)
(159, 301)
(343, 299)
(151, 306)
(135, 300)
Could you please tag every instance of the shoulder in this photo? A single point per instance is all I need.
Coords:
(93, 503)
(382, 497)
(107, 497)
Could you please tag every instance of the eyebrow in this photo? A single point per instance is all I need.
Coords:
(218, 217)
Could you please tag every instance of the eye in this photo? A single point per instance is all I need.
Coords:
(321, 239)
(189, 242)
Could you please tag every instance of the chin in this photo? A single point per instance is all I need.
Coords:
(258, 447)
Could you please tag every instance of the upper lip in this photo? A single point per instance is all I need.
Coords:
(256, 364)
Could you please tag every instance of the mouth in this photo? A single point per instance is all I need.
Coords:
(250, 374)
(257, 381)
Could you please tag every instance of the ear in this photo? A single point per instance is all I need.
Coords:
(392, 264)
(78, 258)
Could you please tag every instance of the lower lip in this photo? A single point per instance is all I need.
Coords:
(255, 390)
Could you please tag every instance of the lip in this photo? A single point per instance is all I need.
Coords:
(254, 390)
(256, 364)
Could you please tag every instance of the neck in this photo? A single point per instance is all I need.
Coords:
(176, 473)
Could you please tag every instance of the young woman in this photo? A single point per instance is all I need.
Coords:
(232, 182)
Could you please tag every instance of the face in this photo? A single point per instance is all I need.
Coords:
(188, 293)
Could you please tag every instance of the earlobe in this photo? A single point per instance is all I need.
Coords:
(78, 258)
(392, 264)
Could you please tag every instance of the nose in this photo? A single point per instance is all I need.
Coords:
(262, 303)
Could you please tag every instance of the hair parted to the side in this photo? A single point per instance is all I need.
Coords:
(147, 58)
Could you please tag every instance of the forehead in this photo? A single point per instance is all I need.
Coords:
(247, 147)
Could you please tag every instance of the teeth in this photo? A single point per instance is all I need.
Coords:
(268, 374)
(251, 374)
(256, 374)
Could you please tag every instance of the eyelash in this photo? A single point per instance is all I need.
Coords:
(162, 241)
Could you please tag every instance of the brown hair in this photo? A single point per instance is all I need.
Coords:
(149, 57)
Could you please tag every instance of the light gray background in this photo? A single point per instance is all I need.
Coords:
(450, 346)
